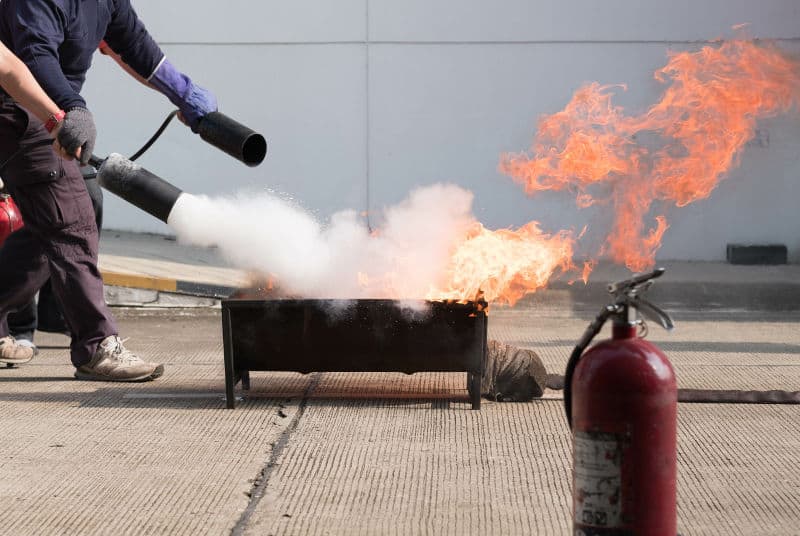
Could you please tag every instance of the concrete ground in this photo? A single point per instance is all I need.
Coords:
(382, 453)
(377, 453)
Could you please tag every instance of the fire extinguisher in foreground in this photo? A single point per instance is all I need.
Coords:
(621, 402)
(10, 219)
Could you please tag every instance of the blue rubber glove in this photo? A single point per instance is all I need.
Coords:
(193, 101)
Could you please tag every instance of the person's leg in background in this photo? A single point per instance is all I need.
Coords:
(23, 269)
(22, 324)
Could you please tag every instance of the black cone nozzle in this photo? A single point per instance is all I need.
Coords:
(137, 186)
(233, 137)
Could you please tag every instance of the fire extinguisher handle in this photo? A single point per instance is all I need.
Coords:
(634, 283)
(653, 312)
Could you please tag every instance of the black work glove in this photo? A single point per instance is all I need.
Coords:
(78, 132)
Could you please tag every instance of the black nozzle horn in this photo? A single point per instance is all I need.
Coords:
(138, 186)
(233, 137)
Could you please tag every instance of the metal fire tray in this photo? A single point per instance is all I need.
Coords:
(352, 336)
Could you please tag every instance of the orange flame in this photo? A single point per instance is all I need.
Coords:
(588, 268)
(698, 129)
(505, 264)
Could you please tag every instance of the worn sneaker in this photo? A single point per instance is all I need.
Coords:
(16, 352)
(112, 362)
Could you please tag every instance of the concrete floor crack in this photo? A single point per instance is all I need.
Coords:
(261, 483)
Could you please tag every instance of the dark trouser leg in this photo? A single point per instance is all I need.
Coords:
(24, 322)
(48, 315)
(23, 269)
(60, 226)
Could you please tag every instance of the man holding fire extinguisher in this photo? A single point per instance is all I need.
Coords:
(56, 40)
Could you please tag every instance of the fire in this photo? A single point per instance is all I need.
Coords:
(588, 268)
(675, 153)
(505, 264)
(635, 166)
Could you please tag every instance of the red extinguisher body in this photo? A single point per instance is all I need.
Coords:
(624, 427)
(10, 219)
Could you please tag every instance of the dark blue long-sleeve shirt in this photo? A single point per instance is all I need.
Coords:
(56, 39)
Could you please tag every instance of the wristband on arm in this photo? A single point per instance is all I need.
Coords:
(54, 120)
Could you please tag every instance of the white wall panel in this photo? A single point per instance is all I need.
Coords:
(248, 21)
(578, 20)
(307, 100)
(446, 113)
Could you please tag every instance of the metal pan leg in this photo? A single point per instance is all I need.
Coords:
(230, 373)
(475, 390)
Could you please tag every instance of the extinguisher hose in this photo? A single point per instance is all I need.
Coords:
(568, 374)
(591, 332)
(97, 162)
(155, 136)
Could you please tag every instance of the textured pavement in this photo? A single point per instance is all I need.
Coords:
(375, 453)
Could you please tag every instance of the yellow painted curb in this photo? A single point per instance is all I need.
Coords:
(139, 281)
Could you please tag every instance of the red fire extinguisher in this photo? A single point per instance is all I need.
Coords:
(621, 401)
(10, 219)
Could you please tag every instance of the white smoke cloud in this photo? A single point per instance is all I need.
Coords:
(339, 259)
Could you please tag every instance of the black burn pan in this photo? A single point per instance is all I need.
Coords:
(352, 336)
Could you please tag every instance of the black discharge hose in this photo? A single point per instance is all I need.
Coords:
(591, 332)
(96, 162)
(155, 136)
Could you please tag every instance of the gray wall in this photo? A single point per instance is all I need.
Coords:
(361, 100)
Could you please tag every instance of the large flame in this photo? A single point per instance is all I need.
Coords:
(505, 265)
(675, 153)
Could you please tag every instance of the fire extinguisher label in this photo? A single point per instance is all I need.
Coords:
(598, 483)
